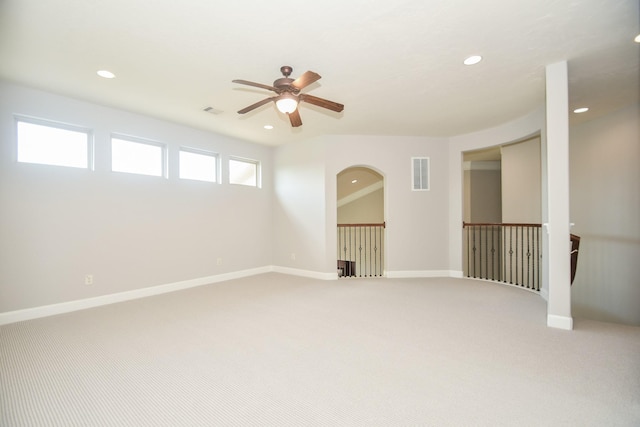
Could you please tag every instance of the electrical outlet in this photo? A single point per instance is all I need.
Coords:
(293, 257)
(219, 261)
(88, 279)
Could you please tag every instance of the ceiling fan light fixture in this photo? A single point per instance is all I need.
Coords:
(287, 103)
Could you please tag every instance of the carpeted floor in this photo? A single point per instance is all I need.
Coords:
(282, 350)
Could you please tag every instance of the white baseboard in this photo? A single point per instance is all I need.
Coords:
(69, 306)
(422, 273)
(544, 293)
(305, 273)
(560, 322)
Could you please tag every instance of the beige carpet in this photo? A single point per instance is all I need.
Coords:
(280, 350)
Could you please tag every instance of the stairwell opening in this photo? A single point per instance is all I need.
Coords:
(361, 225)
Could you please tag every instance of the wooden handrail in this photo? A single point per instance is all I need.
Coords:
(499, 224)
(382, 224)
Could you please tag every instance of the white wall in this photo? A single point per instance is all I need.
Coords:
(605, 207)
(58, 224)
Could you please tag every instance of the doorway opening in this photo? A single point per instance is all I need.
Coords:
(361, 224)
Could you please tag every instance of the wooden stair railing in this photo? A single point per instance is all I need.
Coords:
(575, 246)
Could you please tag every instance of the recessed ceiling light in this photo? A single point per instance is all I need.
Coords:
(106, 74)
(637, 39)
(354, 181)
(268, 127)
(581, 110)
(472, 60)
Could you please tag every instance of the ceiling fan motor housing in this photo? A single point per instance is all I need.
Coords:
(283, 84)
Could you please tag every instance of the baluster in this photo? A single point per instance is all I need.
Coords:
(528, 256)
(349, 258)
(480, 250)
(522, 256)
(370, 253)
(344, 240)
(493, 253)
(338, 250)
(474, 251)
(468, 252)
(518, 243)
(381, 251)
(503, 238)
(538, 258)
(359, 252)
(375, 251)
(486, 252)
(511, 255)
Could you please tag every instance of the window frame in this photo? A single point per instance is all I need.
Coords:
(215, 155)
(257, 164)
(90, 141)
(138, 140)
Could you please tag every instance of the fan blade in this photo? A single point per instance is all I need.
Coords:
(324, 103)
(295, 118)
(256, 105)
(260, 85)
(305, 80)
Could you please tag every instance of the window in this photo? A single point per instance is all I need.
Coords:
(243, 172)
(137, 156)
(53, 144)
(420, 173)
(198, 165)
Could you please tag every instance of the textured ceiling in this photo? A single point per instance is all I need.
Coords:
(395, 65)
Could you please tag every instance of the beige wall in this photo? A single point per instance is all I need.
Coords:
(605, 207)
(129, 231)
(523, 127)
(417, 221)
(299, 208)
(368, 209)
(521, 182)
(484, 192)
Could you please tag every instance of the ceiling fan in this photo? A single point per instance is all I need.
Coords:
(288, 95)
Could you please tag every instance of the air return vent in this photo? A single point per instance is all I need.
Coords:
(420, 173)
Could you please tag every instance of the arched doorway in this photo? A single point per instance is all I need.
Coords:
(361, 223)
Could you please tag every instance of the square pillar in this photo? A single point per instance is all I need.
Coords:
(558, 222)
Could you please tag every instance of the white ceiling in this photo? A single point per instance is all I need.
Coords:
(395, 65)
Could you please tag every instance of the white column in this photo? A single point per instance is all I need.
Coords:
(558, 228)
